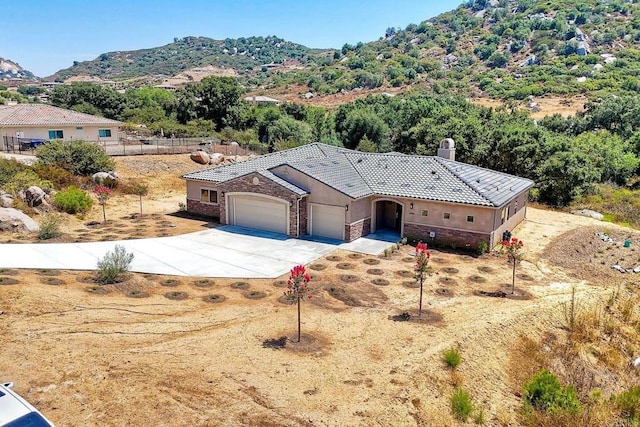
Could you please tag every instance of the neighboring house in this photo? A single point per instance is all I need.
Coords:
(46, 122)
(262, 100)
(326, 191)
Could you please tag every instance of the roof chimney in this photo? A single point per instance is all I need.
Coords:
(447, 149)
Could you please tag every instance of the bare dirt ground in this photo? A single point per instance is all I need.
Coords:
(166, 351)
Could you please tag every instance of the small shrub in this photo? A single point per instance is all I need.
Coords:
(482, 248)
(78, 157)
(49, 227)
(114, 265)
(452, 357)
(461, 404)
(55, 174)
(629, 404)
(73, 200)
(545, 393)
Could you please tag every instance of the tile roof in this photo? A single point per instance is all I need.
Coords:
(358, 174)
(47, 115)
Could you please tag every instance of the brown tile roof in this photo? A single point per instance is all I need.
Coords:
(47, 115)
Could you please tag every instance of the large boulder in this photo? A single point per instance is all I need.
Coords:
(34, 196)
(13, 220)
(216, 158)
(6, 200)
(589, 213)
(200, 157)
(100, 177)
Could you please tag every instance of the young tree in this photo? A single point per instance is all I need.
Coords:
(513, 249)
(297, 288)
(102, 193)
(422, 268)
(140, 190)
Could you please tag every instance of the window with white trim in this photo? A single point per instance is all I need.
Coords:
(424, 212)
(469, 218)
(447, 215)
(208, 195)
(104, 133)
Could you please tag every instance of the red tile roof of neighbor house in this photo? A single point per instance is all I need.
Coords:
(47, 115)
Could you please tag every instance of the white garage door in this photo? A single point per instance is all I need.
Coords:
(327, 221)
(260, 213)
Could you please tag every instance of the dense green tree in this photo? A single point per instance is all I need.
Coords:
(210, 99)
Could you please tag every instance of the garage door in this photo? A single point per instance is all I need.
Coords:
(259, 213)
(327, 221)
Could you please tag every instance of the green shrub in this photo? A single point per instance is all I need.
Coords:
(629, 404)
(24, 179)
(452, 357)
(461, 404)
(73, 200)
(114, 265)
(545, 393)
(58, 176)
(78, 157)
(49, 227)
(9, 168)
(482, 248)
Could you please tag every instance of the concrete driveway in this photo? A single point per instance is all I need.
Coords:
(227, 251)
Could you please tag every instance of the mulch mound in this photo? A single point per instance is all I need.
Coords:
(170, 282)
(371, 261)
(349, 278)
(404, 273)
(176, 296)
(240, 285)
(254, 294)
(333, 258)
(53, 281)
(214, 298)
(355, 256)
(428, 317)
(280, 284)
(8, 281)
(204, 283)
(476, 279)
(344, 266)
(447, 281)
(380, 282)
(46, 272)
(450, 270)
(99, 290)
(317, 267)
(375, 271)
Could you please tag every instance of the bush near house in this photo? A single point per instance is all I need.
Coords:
(78, 157)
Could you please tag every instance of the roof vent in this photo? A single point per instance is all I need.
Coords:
(405, 185)
(233, 173)
(381, 183)
(349, 185)
(433, 172)
(456, 189)
(359, 160)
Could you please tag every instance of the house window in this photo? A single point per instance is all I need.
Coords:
(447, 215)
(208, 196)
(505, 214)
(104, 133)
(56, 134)
(79, 128)
(424, 212)
(469, 218)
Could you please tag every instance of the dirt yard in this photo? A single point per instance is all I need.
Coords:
(167, 351)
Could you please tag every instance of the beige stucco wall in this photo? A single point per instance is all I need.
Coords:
(193, 188)
(87, 133)
(482, 216)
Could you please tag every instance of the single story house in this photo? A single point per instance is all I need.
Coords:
(46, 122)
(326, 191)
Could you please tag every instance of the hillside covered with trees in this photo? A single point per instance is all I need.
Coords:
(566, 157)
(502, 49)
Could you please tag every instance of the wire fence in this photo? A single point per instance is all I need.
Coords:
(145, 146)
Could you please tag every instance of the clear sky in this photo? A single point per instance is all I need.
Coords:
(45, 36)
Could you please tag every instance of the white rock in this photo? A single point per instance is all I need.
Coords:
(200, 157)
(216, 158)
(589, 213)
(12, 219)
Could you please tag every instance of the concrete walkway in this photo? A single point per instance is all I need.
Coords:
(228, 251)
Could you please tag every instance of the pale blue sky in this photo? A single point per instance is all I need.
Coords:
(44, 36)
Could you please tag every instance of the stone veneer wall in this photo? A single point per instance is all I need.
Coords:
(304, 217)
(207, 209)
(266, 187)
(357, 229)
(446, 236)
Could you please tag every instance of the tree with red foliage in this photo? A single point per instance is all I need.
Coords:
(422, 268)
(297, 288)
(102, 193)
(513, 248)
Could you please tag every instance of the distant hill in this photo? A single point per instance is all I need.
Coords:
(243, 54)
(500, 49)
(11, 70)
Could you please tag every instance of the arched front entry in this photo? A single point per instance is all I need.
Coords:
(387, 216)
